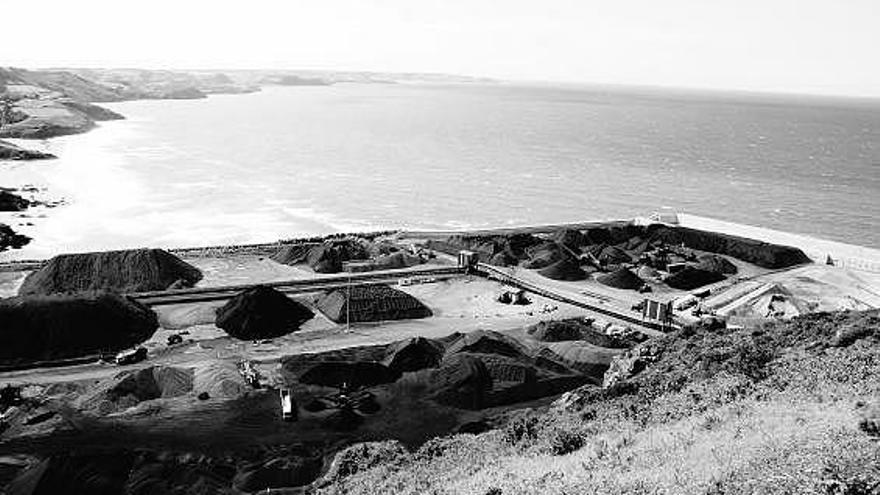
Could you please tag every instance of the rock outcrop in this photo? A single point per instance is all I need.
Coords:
(12, 202)
(9, 239)
(9, 151)
(363, 456)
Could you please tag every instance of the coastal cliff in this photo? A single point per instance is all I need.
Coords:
(43, 104)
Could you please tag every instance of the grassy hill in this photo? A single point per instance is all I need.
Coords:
(790, 407)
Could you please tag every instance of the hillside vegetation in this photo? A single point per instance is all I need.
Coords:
(786, 408)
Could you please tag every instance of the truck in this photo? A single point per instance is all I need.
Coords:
(131, 356)
(288, 409)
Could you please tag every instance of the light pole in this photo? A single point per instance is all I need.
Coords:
(348, 305)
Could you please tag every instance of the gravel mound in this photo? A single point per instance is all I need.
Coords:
(128, 389)
(220, 380)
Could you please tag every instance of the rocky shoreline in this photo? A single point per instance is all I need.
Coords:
(9, 151)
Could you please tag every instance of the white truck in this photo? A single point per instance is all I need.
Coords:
(288, 410)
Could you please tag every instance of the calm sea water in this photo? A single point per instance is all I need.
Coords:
(302, 160)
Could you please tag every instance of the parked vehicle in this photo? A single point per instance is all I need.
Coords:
(288, 408)
(131, 356)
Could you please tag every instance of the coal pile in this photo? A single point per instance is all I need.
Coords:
(613, 255)
(35, 328)
(500, 250)
(462, 381)
(328, 256)
(72, 473)
(488, 342)
(572, 329)
(279, 472)
(622, 278)
(396, 260)
(691, 278)
(566, 269)
(543, 255)
(572, 239)
(646, 272)
(504, 258)
(346, 374)
(507, 369)
(756, 252)
(293, 254)
(371, 303)
(414, 354)
(261, 313)
(717, 264)
(557, 331)
(139, 270)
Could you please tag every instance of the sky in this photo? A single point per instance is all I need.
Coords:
(797, 46)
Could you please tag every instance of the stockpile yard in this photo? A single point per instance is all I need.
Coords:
(280, 361)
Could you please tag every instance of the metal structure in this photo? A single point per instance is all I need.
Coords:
(202, 294)
(656, 311)
(495, 273)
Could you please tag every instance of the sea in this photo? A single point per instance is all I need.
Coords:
(289, 162)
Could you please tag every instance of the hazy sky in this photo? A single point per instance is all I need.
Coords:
(811, 46)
